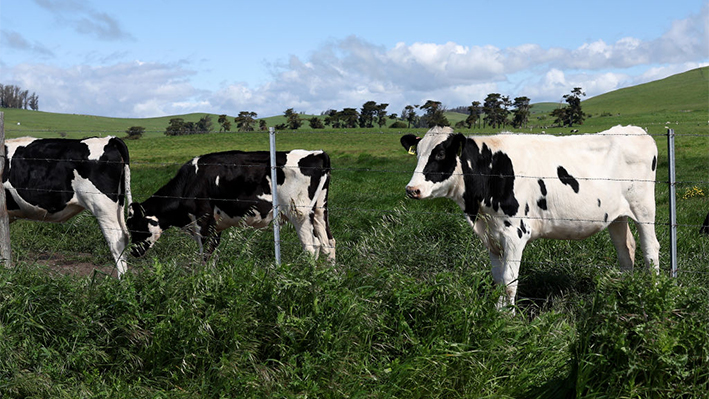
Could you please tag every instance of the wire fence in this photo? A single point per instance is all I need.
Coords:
(344, 211)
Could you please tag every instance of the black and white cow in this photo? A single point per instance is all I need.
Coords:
(516, 188)
(52, 180)
(215, 191)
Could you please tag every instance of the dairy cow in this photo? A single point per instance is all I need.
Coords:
(52, 180)
(215, 191)
(516, 188)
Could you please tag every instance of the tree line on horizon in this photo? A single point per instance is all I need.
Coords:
(496, 111)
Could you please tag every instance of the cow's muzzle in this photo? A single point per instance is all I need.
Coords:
(413, 192)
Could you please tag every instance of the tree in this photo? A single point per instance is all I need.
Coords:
(474, 113)
(349, 117)
(135, 132)
(176, 127)
(434, 114)
(521, 113)
(224, 123)
(381, 114)
(366, 116)
(293, 120)
(574, 114)
(316, 123)
(332, 118)
(203, 125)
(409, 115)
(262, 125)
(495, 109)
(245, 121)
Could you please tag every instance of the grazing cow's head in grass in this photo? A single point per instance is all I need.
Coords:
(144, 229)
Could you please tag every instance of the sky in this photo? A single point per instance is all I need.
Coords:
(150, 58)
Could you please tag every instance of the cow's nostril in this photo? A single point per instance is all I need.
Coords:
(412, 192)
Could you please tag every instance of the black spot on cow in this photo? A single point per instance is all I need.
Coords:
(599, 202)
(507, 223)
(542, 187)
(489, 178)
(605, 217)
(567, 179)
(542, 203)
(522, 229)
(526, 209)
(654, 163)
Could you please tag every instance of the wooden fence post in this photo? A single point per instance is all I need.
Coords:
(5, 253)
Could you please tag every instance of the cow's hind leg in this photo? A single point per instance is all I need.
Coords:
(112, 223)
(321, 228)
(623, 241)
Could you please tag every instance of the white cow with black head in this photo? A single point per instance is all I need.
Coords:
(52, 180)
(515, 188)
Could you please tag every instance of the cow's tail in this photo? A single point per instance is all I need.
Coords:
(126, 184)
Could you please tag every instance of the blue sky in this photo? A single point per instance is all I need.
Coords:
(157, 57)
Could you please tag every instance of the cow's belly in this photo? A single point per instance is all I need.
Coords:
(578, 230)
(256, 220)
(28, 211)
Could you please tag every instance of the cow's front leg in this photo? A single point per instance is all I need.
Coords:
(505, 269)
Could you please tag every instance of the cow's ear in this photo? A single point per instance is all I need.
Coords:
(409, 142)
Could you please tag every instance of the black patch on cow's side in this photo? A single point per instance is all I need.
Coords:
(522, 226)
(507, 223)
(519, 232)
(599, 202)
(488, 177)
(526, 209)
(542, 203)
(654, 163)
(567, 179)
(605, 217)
(314, 166)
(542, 187)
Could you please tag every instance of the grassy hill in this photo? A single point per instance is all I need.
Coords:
(685, 92)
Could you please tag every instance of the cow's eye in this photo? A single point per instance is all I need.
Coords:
(440, 155)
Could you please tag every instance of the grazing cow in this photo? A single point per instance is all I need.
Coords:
(705, 227)
(215, 191)
(516, 188)
(52, 180)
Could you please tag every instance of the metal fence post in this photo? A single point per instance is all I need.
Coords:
(5, 253)
(673, 201)
(274, 192)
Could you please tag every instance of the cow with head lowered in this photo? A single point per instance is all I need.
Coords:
(52, 180)
(215, 191)
(515, 188)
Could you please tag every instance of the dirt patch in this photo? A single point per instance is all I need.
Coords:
(79, 264)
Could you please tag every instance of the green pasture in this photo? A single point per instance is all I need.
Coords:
(408, 310)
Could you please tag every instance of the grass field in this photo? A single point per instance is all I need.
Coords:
(408, 311)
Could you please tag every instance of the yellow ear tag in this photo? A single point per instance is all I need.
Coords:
(412, 150)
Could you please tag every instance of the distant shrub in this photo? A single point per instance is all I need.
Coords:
(398, 125)
(135, 132)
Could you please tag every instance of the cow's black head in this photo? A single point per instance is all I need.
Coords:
(144, 229)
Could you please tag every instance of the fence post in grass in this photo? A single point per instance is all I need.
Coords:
(673, 203)
(274, 191)
(5, 254)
